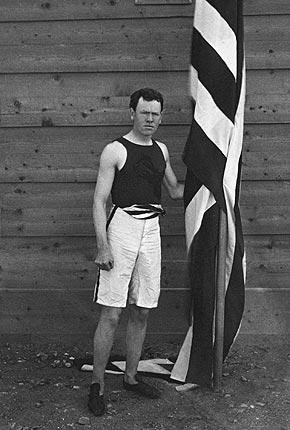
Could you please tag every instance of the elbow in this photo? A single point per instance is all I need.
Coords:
(176, 193)
(173, 194)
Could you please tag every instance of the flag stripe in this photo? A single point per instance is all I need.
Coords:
(211, 119)
(228, 10)
(199, 204)
(213, 162)
(211, 64)
(223, 40)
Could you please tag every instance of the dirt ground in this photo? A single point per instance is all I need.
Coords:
(41, 389)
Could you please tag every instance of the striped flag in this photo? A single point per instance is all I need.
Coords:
(212, 155)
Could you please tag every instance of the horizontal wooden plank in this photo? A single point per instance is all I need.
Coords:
(270, 193)
(261, 7)
(78, 221)
(126, 45)
(266, 151)
(266, 312)
(268, 262)
(58, 312)
(102, 99)
(101, 46)
(268, 28)
(264, 54)
(260, 215)
(65, 209)
(162, 2)
(73, 195)
(36, 10)
(66, 154)
(52, 10)
(71, 154)
(266, 41)
(68, 263)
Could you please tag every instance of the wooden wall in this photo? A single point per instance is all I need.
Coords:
(66, 71)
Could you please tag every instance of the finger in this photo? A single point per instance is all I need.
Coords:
(108, 265)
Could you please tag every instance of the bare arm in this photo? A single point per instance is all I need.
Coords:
(175, 189)
(104, 258)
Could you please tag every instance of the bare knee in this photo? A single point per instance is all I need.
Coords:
(110, 316)
(138, 314)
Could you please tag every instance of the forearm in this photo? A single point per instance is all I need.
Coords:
(100, 219)
(104, 258)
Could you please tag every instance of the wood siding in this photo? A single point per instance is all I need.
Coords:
(67, 69)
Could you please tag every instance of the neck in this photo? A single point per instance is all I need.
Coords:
(139, 139)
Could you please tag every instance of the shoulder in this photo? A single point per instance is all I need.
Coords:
(112, 153)
(163, 148)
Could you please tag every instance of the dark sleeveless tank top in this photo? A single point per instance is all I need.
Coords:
(139, 181)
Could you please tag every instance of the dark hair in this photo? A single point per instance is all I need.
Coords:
(148, 94)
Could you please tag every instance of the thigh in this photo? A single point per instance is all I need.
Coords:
(145, 284)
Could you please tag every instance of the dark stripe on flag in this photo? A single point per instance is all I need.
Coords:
(203, 255)
(212, 69)
(227, 11)
(212, 165)
(235, 296)
(192, 184)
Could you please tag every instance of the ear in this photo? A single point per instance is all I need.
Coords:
(132, 113)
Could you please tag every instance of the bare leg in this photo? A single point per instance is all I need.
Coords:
(136, 331)
(103, 341)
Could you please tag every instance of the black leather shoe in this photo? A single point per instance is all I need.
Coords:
(96, 401)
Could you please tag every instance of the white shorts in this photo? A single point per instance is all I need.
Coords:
(135, 277)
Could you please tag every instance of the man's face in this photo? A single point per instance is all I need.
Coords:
(147, 117)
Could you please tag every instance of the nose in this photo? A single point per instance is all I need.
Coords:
(149, 117)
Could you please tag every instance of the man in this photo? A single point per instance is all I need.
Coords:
(132, 169)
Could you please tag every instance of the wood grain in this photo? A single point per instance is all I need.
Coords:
(102, 99)
(49, 210)
(266, 312)
(161, 44)
(38, 10)
(71, 154)
(68, 263)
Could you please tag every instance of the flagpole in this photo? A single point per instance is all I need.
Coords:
(220, 301)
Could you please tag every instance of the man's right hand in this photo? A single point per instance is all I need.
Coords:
(104, 259)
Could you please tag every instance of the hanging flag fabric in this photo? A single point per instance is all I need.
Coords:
(212, 155)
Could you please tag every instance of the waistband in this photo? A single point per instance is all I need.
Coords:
(139, 211)
(145, 211)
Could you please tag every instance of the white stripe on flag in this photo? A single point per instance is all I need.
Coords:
(195, 210)
(215, 124)
(222, 39)
(180, 368)
(230, 179)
